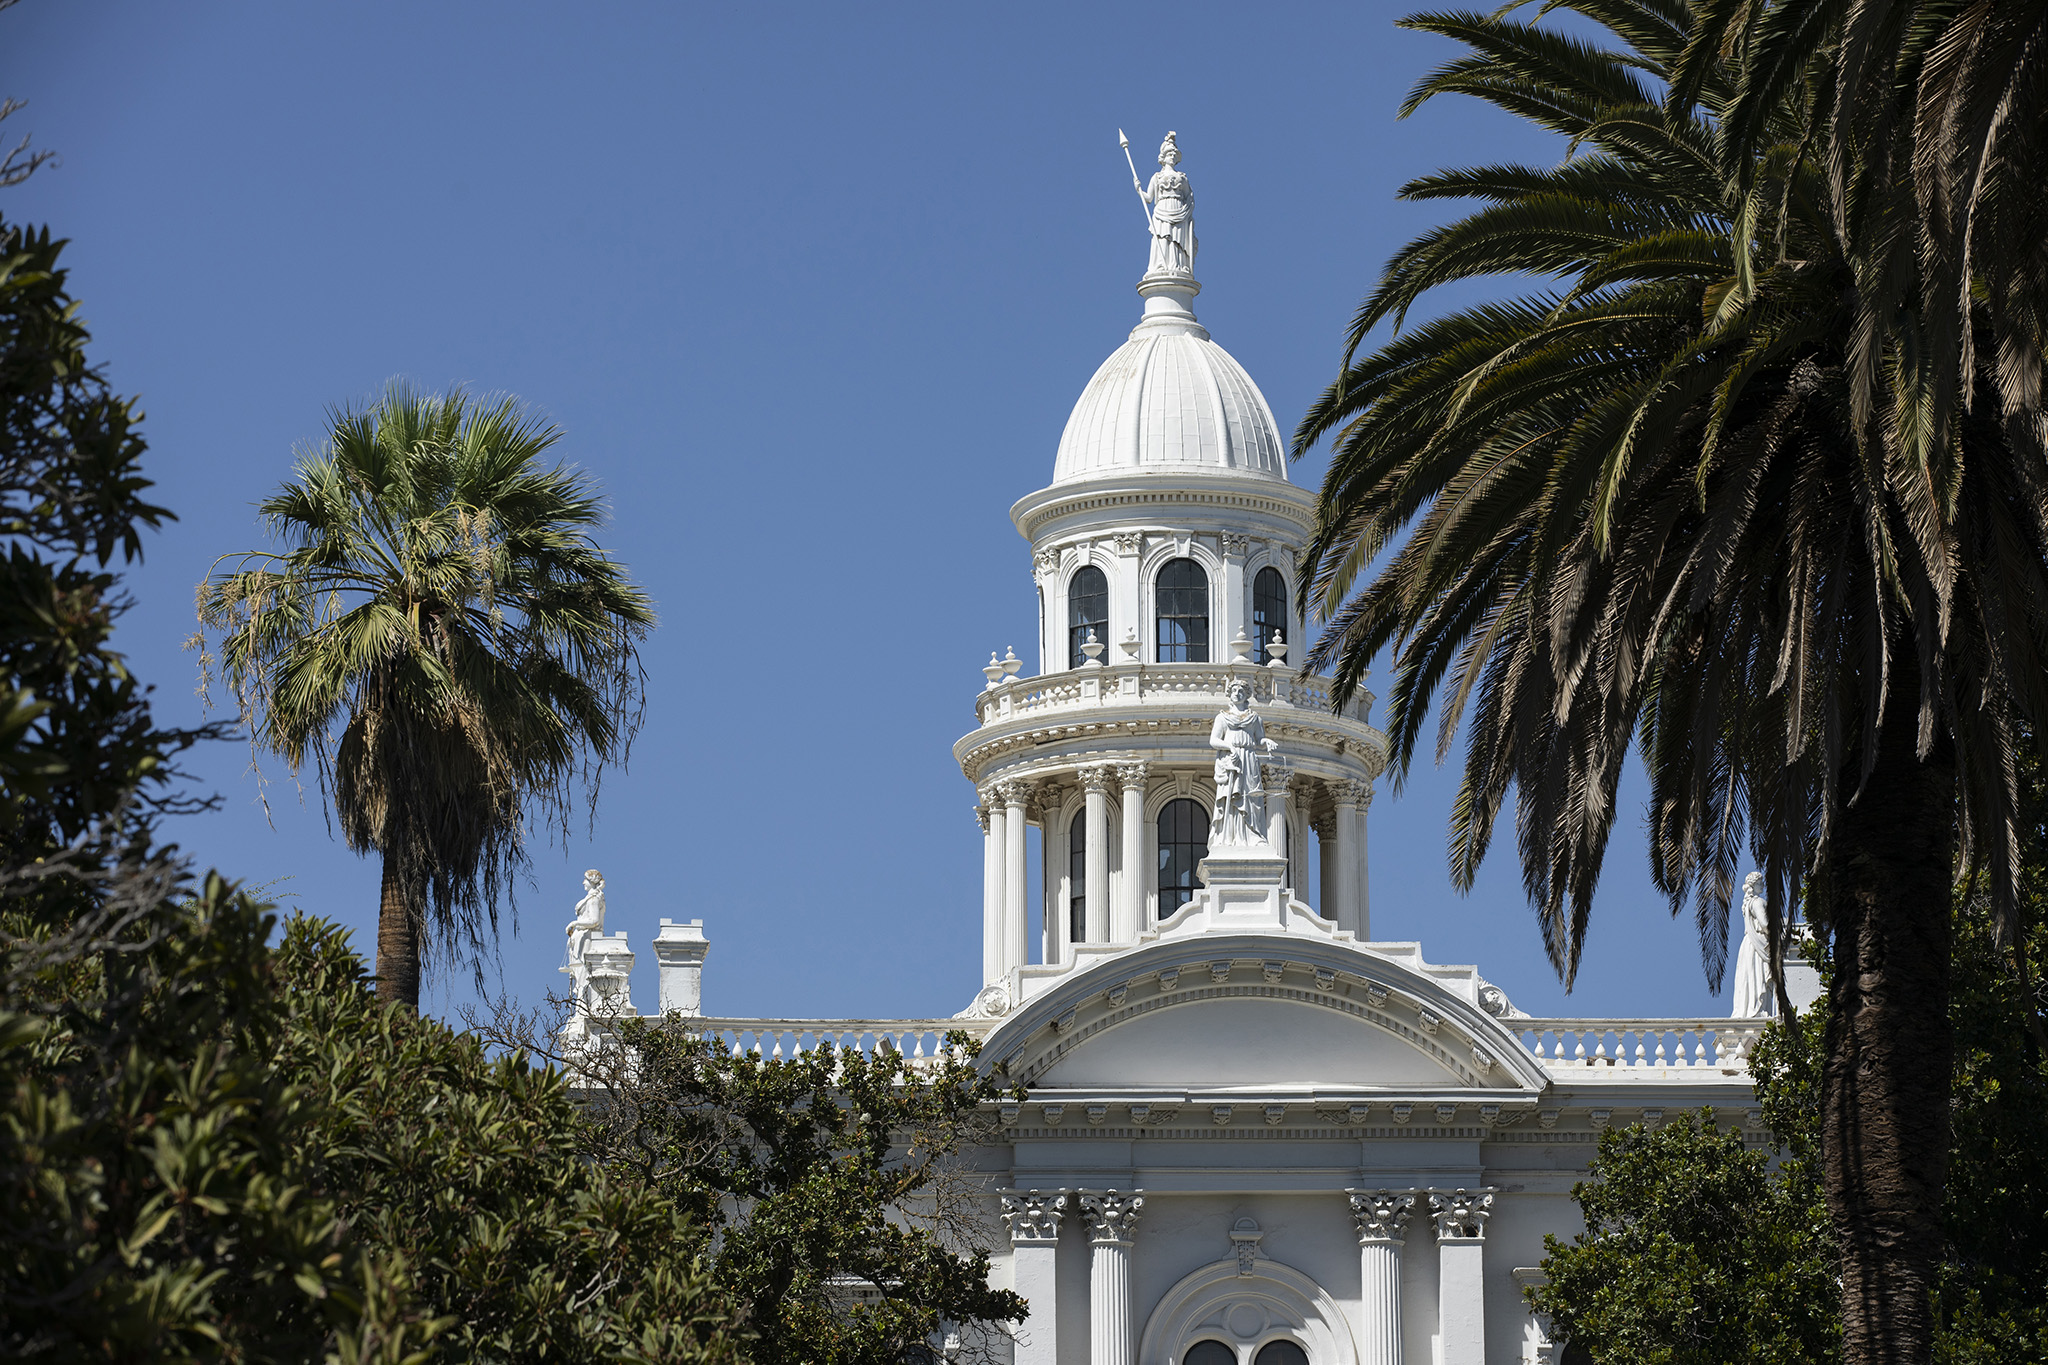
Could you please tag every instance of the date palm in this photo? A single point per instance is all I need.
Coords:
(1641, 510)
(440, 638)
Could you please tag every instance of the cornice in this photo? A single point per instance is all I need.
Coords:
(1180, 489)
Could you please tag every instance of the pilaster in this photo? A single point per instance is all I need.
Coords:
(1112, 1220)
(1460, 1220)
(1033, 1218)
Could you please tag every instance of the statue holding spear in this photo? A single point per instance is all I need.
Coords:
(1169, 209)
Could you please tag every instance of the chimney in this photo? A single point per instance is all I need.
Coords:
(680, 950)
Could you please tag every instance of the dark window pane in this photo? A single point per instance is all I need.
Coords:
(1077, 877)
(1182, 600)
(1280, 1353)
(1087, 609)
(1269, 611)
(1209, 1353)
(1183, 843)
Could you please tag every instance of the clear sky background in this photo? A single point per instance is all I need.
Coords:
(810, 289)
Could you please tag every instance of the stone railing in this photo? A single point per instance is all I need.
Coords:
(1650, 1044)
(1138, 683)
(1559, 1044)
(920, 1040)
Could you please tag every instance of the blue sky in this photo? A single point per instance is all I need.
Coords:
(810, 289)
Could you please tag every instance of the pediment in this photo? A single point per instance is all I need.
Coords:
(1244, 1010)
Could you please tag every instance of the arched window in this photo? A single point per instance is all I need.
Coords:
(1282, 1352)
(1269, 611)
(1183, 604)
(1077, 877)
(1087, 609)
(1209, 1353)
(1183, 843)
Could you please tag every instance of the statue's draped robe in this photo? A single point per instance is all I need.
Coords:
(1240, 738)
(1173, 222)
(1752, 994)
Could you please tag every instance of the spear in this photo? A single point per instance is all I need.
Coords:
(1136, 183)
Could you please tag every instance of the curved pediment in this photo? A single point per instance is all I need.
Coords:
(1245, 1010)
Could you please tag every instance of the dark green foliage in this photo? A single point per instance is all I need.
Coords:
(1697, 1249)
(1695, 1253)
(847, 1228)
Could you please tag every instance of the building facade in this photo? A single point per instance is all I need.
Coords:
(1254, 1134)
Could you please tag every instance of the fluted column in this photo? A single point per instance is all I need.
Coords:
(1326, 865)
(1364, 927)
(1015, 920)
(1112, 1218)
(1130, 916)
(1382, 1219)
(1276, 779)
(1347, 796)
(1095, 781)
(1033, 1217)
(990, 814)
(1460, 1217)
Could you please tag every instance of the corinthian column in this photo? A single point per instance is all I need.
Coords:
(1130, 917)
(1348, 795)
(1095, 781)
(1111, 1220)
(990, 815)
(1016, 921)
(1382, 1218)
(1033, 1217)
(1460, 1217)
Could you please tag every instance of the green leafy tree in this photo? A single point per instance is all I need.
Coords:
(849, 1225)
(444, 642)
(1701, 1249)
(1640, 511)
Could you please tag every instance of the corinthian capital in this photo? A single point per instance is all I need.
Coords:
(1460, 1215)
(1033, 1215)
(1096, 777)
(1132, 774)
(1382, 1215)
(1112, 1217)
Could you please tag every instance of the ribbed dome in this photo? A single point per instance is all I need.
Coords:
(1167, 401)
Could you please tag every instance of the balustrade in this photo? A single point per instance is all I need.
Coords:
(921, 1041)
(1154, 682)
(1722, 1044)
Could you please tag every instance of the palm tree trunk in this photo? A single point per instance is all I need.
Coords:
(1885, 1082)
(398, 942)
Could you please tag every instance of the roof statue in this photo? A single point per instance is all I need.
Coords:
(1169, 209)
(1755, 989)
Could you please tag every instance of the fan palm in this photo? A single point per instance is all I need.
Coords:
(1640, 510)
(442, 640)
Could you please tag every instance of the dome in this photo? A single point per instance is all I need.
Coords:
(1167, 401)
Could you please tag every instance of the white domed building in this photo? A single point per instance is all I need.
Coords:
(1254, 1135)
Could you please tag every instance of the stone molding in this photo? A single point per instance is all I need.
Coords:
(1382, 1215)
(1112, 1216)
(1033, 1216)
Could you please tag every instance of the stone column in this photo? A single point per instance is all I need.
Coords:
(1382, 1218)
(1112, 1334)
(1237, 606)
(1016, 921)
(1138, 869)
(1460, 1217)
(1033, 1217)
(1095, 780)
(1364, 927)
(1347, 794)
(1326, 865)
(1276, 780)
(990, 814)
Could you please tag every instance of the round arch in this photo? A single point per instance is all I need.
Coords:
(1220, 1302)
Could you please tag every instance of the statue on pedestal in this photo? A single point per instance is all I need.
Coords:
(1239, 737)
(1170, 203)
(1754, 994)
(588, 924)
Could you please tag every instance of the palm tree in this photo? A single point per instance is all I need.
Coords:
(441, 638)
(1934, 124)
(1642, 509)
